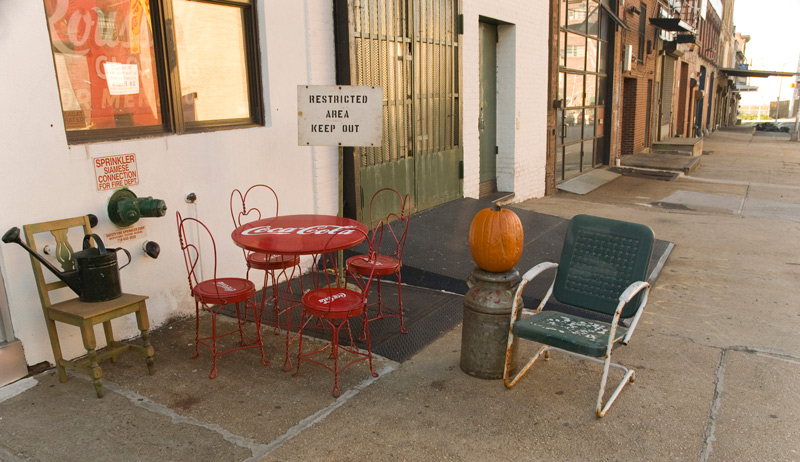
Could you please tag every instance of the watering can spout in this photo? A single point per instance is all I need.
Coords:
(70, 278)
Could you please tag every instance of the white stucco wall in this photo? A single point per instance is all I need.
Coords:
(522, 51)
(46, 179)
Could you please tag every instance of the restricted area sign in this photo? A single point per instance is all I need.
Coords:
(339, 115)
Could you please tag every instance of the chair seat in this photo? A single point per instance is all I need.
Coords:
(334, 303)
(260, 261)
(221, 291)
(74, 308)
(568, 332)
(384, 264)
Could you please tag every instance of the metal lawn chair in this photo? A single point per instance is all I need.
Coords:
(602, 269)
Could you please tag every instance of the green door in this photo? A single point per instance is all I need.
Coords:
(410, 49)
(487, 118)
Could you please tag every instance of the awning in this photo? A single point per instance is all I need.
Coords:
(671, 24)
(755, 73)
(613, 16)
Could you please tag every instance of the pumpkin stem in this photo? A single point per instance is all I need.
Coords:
(496, 207)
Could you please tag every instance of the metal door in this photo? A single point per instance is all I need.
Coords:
(487, 118)
(410, 48)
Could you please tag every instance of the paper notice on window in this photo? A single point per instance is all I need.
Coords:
(123, 79)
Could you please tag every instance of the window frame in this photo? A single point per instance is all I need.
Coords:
(169, 85)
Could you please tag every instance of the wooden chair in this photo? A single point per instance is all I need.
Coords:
(602, 269)
(82, 314)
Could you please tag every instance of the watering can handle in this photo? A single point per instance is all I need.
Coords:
(126, 253)
(100, 246)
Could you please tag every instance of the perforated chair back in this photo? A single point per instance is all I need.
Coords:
(600, 258)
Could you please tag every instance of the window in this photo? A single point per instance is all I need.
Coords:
(130, 68)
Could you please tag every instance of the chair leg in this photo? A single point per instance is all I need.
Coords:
(213, 374)
(303, 322)
(95, 372)
(276, 302)
(400, 303)
(257, 315)
(143, 322)
(335, 354)
(628, 377)
(196, 329)
(58, 357)
(109, 333)
(369, 354)
(511, 381)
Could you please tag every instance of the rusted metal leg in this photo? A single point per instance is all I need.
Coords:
(511, 381)
(628, 377)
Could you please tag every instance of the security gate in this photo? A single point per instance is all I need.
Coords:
(410, 48)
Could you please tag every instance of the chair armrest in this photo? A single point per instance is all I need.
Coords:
(626, 297)
(526, 278)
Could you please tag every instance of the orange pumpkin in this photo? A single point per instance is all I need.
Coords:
(496, 239)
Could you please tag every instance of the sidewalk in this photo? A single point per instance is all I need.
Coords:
(716, 352)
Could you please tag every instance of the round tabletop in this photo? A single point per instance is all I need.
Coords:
(299, 234)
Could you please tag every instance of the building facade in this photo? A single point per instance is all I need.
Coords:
(199, 98)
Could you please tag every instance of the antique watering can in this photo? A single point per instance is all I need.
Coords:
(96, 274)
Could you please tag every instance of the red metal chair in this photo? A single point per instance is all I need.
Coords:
(216, 292)
(387, 259)
(274, 266)
(334, 305)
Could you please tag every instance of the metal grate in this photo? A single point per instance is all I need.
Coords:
(410, 48)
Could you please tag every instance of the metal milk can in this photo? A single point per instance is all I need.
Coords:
(487, 314)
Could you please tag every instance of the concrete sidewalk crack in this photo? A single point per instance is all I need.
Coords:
(257, 450)
(709, 438)
(715, 404)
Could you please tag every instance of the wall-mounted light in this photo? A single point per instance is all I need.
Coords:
(634, 10)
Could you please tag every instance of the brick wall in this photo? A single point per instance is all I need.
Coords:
(635, 95)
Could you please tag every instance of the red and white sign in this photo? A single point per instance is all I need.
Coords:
(113, 172)
(122, 79)
(319, 229)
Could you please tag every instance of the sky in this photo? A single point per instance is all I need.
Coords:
(774, 44)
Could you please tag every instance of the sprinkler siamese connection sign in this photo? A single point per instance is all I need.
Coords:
(339, 115)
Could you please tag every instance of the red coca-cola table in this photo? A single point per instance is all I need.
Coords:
(299, 234)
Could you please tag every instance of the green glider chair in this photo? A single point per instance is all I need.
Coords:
(603, 269)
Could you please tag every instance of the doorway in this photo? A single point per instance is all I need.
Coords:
(487, 118)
